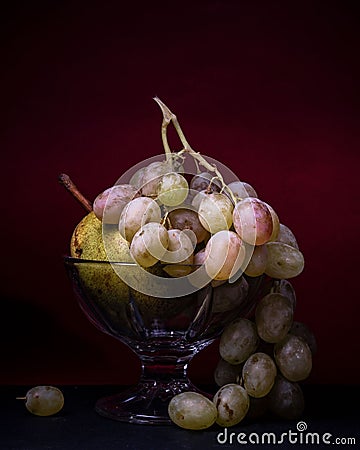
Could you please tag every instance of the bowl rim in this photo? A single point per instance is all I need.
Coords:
(74, 260)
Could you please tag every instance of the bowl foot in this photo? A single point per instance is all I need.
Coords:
(146, 403)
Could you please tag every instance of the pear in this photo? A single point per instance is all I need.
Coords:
(100, 284)
(87, 241)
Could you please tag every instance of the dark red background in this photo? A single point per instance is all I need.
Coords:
(270, 90)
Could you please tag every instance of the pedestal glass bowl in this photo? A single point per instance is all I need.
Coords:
(165, 333)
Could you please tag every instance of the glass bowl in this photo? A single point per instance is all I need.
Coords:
(165, 333)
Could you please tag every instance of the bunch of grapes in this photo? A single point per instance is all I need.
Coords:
(188, 222)
(261, 364)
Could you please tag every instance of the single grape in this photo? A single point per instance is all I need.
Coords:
(259, 374)
(137, 177)
(215, 212)
(242, 190)
(293, 357)
(149, 244)
(228, 296)
(283, 261)
(273, 317)
(253, 221)
(192, 411)
(191, 235)
(285, 288)
(275, 222)
(226, 373)
(205, 181)
(152, 177)
(137, 213)
(108, 205)
(199, 257)
(232, 404)
(225, 254)
(179, 250)
(287, 236)
(183, 218)
(197, 198)
(44, 400)
(303, 331)
(257, 263)
(173, 189)
(286, 399)
(238, 341)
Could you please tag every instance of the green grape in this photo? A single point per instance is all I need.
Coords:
(44, 400)
(137, 177)
(283, 261)
(232, 404)
(293, 358)
(173, 189)
(259, 374)
(192, 411)
(242, 190)
(287, 236)
(151, 177)
(108, 205)
(273, 317)
(205, 181)
(257, 263)
(253, 221)
(226, 373)
(215, 212)
(199, 257)
(228, 296)
(180, 250)
(275, 222)
(286, 399)
(224, 255)
(197, 198)
(137, 213)
(302, 330)
(149, 244)
(183, 219)
(285, 288)
(238, 341)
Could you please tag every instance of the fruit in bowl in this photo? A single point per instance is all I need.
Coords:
(170, 256)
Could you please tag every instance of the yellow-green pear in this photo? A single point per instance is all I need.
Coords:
(89, 241)
(102, 285)
(99, 282)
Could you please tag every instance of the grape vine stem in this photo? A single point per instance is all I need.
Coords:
(168, 117)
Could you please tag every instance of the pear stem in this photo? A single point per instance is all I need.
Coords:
(20, 398)
(66, 181)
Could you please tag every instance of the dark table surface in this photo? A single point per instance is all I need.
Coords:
(329, 409)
